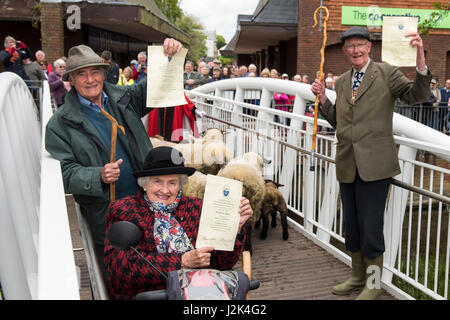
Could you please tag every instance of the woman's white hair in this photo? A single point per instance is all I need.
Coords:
(143, 181)
(7, 39)
(59, 62)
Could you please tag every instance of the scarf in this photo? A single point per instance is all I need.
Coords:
(169, 236)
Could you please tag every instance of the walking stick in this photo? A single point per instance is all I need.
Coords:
(112, 157)
(322, 60)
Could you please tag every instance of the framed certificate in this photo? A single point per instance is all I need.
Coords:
(219, 221)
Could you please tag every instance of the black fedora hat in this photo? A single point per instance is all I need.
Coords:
(163, 161)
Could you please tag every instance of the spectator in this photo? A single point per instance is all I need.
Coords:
(329, 83)
(33, 70)
(216, 74)
(265, 73)
(305, 79)
(140, 68)
(215, 63)
(445, 100)
(274, 74)
(297, 78)
(57, 86)
(243, 71)
(204, 76)
(225, 73)
(252, 68)
(234, 72)
(192, 79)
(334, 81)
(12, 56)
(112, 75)
(125, 77)
(432, 110)
(284, 76)
(40, 60)
(445, 93)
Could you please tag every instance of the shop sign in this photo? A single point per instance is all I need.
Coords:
(372, 16)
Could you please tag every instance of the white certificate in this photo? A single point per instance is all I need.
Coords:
(395, 48)
(219, 221)
(165, 87)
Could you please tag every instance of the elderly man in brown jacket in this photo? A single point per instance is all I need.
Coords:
(366, 155)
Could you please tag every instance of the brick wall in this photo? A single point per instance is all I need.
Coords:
(52, 30)
(437, 44)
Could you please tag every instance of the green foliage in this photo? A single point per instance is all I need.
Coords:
(432, 270)
(170, 8)
(220, 41)
(226, 61)
(435, 17)
(197, 44)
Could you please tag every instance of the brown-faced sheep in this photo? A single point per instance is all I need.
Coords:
(273, 202)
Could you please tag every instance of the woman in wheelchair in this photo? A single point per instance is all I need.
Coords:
(169, 223)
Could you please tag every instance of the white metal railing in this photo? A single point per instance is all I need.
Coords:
(417, 223)
(36, 257)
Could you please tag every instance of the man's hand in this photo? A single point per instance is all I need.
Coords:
(245, 212)
(318, 88)
(197, 258)
(171, 47)
(416, 41)
(111, 172)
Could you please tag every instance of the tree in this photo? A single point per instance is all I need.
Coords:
(435, 17)
(170, 8)
(220, 41)
(197, 44)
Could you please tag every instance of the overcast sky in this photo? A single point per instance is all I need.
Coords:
(219, 15)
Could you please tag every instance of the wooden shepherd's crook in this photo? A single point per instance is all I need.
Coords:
(322, 60)
(112, 157)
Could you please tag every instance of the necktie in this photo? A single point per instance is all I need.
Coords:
(357, 81)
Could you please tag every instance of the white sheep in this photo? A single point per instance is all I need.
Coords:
(195, 186)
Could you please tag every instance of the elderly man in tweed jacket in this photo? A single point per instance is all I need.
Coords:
(366, 155)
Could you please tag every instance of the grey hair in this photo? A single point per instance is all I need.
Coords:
(142, 53)
(7, 39)
(143, 181)
(59, 62)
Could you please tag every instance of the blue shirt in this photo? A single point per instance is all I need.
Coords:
(127, 184)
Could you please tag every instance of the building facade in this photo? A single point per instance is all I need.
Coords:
(266, 37)
(123, 27)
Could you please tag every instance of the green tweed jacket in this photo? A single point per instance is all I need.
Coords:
(364, 127)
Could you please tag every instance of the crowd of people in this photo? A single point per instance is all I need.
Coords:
(17, 57)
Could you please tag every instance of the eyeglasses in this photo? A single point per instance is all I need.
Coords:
(352, 47)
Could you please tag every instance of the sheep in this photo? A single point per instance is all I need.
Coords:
(206, 155)
(273, 202)
(195, 186)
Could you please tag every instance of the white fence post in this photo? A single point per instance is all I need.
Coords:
(395, 212)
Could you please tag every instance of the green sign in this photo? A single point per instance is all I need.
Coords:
(373, 16)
